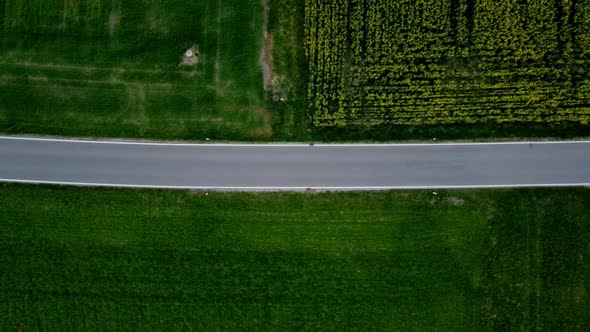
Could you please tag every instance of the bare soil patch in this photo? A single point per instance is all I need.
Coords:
(271, 80)
(456, 201)
(113, 22)
(190, 57)
(266, 61)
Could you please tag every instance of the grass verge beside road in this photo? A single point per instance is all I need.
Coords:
(146, 259)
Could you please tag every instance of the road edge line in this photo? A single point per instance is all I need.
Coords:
(298, 188)
(114, 142)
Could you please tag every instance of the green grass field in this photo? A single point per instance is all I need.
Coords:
(106, 259)
(342, 70)
(111, 68)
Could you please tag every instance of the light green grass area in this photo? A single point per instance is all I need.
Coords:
(112, 68)
(110, 259)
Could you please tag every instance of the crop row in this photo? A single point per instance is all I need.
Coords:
(464, 61)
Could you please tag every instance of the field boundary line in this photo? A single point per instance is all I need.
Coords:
(296, 188)
(85, 68)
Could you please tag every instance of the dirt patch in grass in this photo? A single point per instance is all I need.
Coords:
(190, 57)
(268, 73)
(272, 82)
(456, 201)
(113, 22)
(266, 51)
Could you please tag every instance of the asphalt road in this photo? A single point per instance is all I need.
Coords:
(294, 167)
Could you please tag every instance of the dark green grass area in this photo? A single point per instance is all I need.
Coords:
(513, 131)
(111, 68)
(89, 259)
(286, 25)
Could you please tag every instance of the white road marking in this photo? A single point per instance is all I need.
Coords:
(288, 188)
(88, 141)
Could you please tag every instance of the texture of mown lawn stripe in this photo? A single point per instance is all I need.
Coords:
(93, 68)
(139, 259)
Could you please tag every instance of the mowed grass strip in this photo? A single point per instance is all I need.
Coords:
(112, 68)
(76, 258)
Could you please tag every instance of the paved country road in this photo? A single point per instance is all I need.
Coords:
(294, 167)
